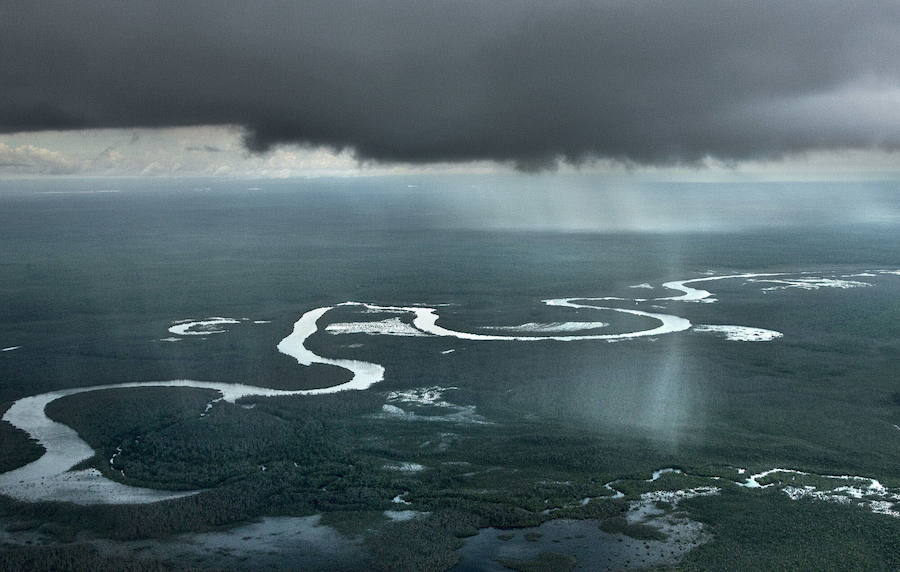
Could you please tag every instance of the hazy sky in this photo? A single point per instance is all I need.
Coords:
(173, 88)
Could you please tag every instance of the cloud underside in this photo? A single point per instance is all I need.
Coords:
(648, 82)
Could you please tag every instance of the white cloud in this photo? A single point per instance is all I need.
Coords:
(218, 152)
(33, 160)
(195, 152)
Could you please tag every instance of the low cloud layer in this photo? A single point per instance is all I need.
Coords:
(649, 82)
(32, 160)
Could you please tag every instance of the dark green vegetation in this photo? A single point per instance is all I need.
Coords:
(422, 544)
(96, 280)
(74, 558)
(18, 449)
(108, 419)
(767, 531)
(314, 460)
(545, 562)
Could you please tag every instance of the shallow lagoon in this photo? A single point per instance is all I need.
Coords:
(592, 548)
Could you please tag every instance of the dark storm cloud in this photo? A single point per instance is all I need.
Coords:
(521, 81)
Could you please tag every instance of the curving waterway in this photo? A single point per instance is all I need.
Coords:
(50, 477)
